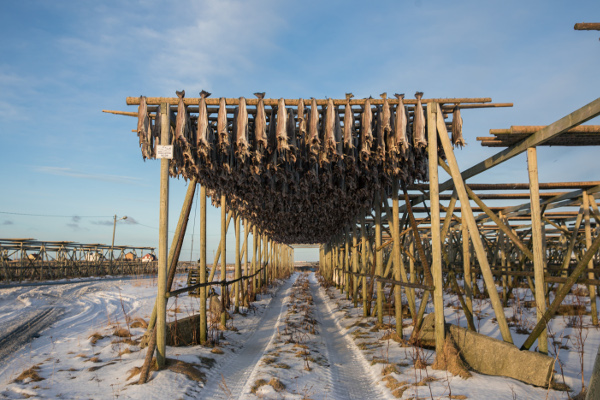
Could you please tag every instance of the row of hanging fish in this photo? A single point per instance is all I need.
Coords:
(300, 173)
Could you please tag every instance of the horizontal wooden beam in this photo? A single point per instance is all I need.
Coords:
(577, 117)
(294, 102)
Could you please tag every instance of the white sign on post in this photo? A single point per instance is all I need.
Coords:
(164, 152)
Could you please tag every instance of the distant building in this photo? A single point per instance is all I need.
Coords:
(130, 256)
(148, 257)
(94, 257)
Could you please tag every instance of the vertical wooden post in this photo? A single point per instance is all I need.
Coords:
(255, 243)
(163, 237)
(238, 264)
(347, 261)
(202, 277)
(246, 284)
(397, 260)
(472, 226)
(378, 256)
(223, 260)
(354, 265)
(536, 237)
(364, 269)
(588, 243)
(466, 250)
(436, 243)
(177, 243)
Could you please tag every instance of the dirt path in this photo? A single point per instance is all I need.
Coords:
(349, 378)
(236, 370)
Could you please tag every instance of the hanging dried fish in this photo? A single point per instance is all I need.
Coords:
(419, 123)
(291, 134)
(401, 124)
(366, 133)
(282, 138)
(241, 144)
(457, 122)
(383, 128)
(272, 132)
(313, 132)
(202, 144)
(222, 126)
(301, 119)
(144, 129)
(338, 136)
(328, 134)
(348, 126)
(260, 122)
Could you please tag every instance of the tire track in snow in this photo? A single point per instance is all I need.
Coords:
(237, 370)
(349, 377)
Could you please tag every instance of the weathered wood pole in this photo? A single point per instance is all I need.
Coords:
(246, 283)
(354, 265)
(397, 258)
(536, 237)
(588, 243)
(347, 261)
(562, 293)
(163, 237)
(472, 226)
(466, 251)
(177, 243)
(223, 260)
(364, 268)
(202, 277)
(255, 243)
(378, 257)
(238, 265)
(436, 243)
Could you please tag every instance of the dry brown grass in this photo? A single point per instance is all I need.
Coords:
(31, 374)
(257, 385)
(388, 369)
(282, 366)
(95, 359)
(121, 332)
(277, 385)
(450, 360)
(95, 337)
(130, 342)
(217, 350)
(392, 336)
(126, 351)
(139, 323)
(133, 372)
(185, 368)
(269, 360)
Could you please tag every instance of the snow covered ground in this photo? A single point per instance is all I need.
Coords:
(79, 341)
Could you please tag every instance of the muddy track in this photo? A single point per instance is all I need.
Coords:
(17, 336)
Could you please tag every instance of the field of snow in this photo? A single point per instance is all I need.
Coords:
(79, 340)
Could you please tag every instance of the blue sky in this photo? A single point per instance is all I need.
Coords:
(62, 62)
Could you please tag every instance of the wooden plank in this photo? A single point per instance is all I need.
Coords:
(459, 185)
(163, 237)
(561, 293)
(588, 243)
(536, 237)
(214, 101)
(575, 118)
(202, 273)
(397, 259)
(436, 242)
(378, 257)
